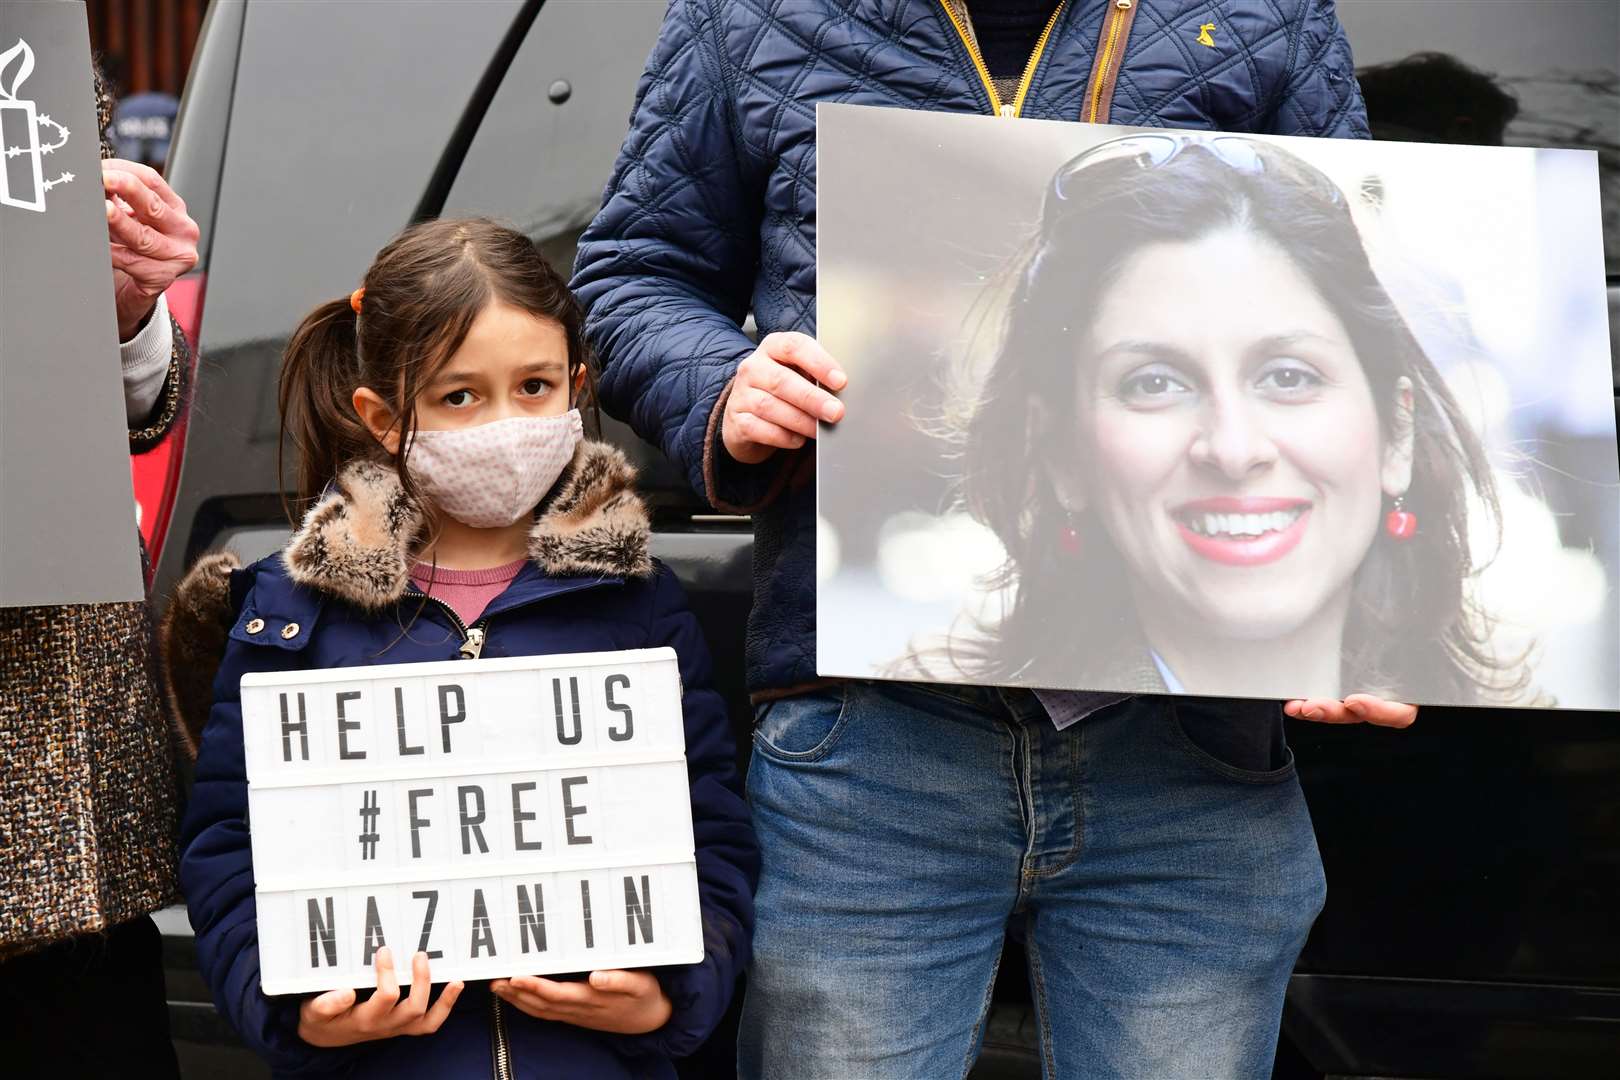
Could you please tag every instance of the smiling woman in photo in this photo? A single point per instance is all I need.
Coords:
(1218, 458)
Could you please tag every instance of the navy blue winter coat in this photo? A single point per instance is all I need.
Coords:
(337, 597)
(711, 210)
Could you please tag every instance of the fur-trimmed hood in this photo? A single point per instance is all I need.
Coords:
(356, 545)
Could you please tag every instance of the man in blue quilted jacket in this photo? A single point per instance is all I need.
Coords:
(1157, 859)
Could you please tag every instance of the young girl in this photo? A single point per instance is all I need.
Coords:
(458, 512)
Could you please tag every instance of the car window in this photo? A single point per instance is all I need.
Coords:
(546, 148)
(1519, 72)
(315, 181)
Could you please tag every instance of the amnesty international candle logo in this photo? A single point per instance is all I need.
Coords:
(506, 817)
(27, 135)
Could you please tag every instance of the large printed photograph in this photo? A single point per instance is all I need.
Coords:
(1159, 411)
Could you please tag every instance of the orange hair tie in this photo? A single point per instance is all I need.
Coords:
(355, 298)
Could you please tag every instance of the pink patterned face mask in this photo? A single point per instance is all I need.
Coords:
(491, 475)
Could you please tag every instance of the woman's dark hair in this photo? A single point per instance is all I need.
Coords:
(422, 294)
(1411, 623)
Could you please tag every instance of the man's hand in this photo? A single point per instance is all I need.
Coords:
(1355, 709)
(153, 239)
(623, 1002)
(775, 402)
(333, 1019)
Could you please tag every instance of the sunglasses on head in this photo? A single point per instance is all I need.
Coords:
(1151, 150)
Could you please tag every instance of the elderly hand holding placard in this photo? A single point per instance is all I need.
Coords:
(154, 240)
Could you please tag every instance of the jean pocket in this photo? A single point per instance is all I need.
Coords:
(804, 727)
(1221, 746)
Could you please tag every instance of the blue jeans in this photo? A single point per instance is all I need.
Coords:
(1163, 893)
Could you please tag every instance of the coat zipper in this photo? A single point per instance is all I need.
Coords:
(1035, 59)
(1017, 104)
(1112, 50)
(499, 1048)
(472, 647)
(472, 637)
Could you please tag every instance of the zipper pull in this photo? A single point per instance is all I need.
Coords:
(473, 647)
(1008, 112)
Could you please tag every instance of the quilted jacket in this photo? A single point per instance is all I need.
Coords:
(337, 597)
(711, 209)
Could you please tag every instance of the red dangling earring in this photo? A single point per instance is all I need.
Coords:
(1069, 537)
(1400, 523)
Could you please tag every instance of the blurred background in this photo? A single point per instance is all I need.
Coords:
(145, 49)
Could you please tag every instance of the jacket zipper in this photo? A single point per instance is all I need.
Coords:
(499, 1048)
(996, 106)
(472, 637)
(472, 647)
(1112, 50)
(1035, 59)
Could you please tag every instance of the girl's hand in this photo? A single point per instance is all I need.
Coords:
(774, 404)
(1355, 709)
(333, 1019)
(623, 1002)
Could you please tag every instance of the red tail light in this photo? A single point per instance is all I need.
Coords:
(156, 473)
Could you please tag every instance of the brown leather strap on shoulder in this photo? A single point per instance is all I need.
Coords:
(1109, 58)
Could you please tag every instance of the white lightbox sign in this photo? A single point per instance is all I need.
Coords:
(507, 816)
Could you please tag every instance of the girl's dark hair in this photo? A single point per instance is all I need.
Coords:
(422, 294)
(1411, 626)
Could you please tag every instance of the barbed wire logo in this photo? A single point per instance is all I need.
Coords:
(32, 125)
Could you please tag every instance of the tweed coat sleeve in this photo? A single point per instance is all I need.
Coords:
(216, 876)
(1321, 95)
(667, 269)
(172, 399)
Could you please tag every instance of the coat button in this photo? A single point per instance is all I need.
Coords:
(289, 631)
(255, 626)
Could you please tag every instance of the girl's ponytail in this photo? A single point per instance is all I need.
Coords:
(318, 376)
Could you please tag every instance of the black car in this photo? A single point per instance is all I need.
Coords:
(1472, 926)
